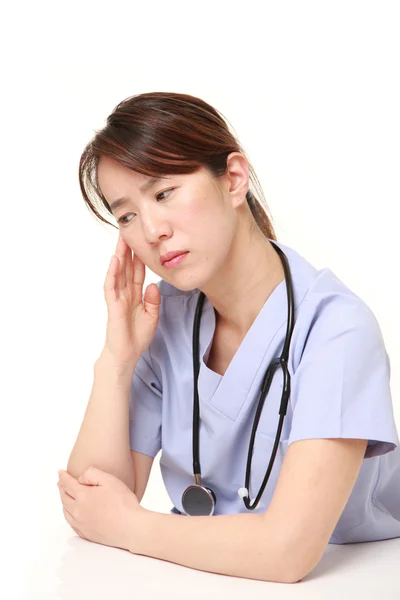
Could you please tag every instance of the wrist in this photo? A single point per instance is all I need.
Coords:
(122, 369)
(140, 530)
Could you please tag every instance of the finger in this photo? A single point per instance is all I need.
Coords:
(62, 489)
(71, 521)
(129, 267)
(110, 283)
(139, 271)
(79, 533)
(67, 501)
(69, 483)
(120, 251)
(68, 515)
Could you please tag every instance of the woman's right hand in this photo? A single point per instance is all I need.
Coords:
(132, 322)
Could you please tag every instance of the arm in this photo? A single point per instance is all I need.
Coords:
(286, 542)
(103, 439)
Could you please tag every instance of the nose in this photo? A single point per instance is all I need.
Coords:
(154, 224)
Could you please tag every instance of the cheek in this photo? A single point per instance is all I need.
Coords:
(136, 248)
(199, 218)
(191, 212)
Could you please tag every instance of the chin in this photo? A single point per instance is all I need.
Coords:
(182, 287)
(183, 283)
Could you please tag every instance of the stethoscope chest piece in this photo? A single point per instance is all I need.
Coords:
(198, 501)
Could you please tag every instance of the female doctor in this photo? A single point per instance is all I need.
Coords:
(263, 381)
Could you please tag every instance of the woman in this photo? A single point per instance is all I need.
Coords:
(176, 180)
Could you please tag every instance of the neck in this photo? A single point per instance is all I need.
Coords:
(247, 279)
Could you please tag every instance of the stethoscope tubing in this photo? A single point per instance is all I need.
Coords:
(206, 495)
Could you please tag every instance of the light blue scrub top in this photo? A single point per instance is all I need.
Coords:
(340, 388)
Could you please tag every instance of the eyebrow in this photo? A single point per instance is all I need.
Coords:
(146, 186)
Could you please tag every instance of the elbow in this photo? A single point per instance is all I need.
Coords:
(285, 570)
(284, 575)
(292, 577)
(290, 553)
(297, 561)
(300, 563)
(290, 573)
(293, 574)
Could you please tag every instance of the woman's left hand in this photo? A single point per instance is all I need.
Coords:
(99, 507)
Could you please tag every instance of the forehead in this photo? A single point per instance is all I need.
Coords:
(115, 179)
(111, 174)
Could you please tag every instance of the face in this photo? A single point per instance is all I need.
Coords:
(194, 213)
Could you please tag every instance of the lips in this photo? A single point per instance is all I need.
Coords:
(171, 255)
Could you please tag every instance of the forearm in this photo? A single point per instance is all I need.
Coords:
(236, 545)
(103, 439)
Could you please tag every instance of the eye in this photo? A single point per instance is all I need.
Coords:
(123, 219)
(168, 190)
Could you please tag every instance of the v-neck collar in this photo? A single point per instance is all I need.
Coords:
(228, 392)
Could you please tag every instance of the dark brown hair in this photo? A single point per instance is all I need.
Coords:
(165, 133)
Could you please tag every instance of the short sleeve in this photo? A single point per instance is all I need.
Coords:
(341, 387)
(145, 408)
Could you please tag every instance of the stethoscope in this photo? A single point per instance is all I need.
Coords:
(198, 500)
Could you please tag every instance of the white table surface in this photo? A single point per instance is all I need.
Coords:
(48, 561)
(71, 568)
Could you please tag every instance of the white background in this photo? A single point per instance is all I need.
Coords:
(312, 91)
